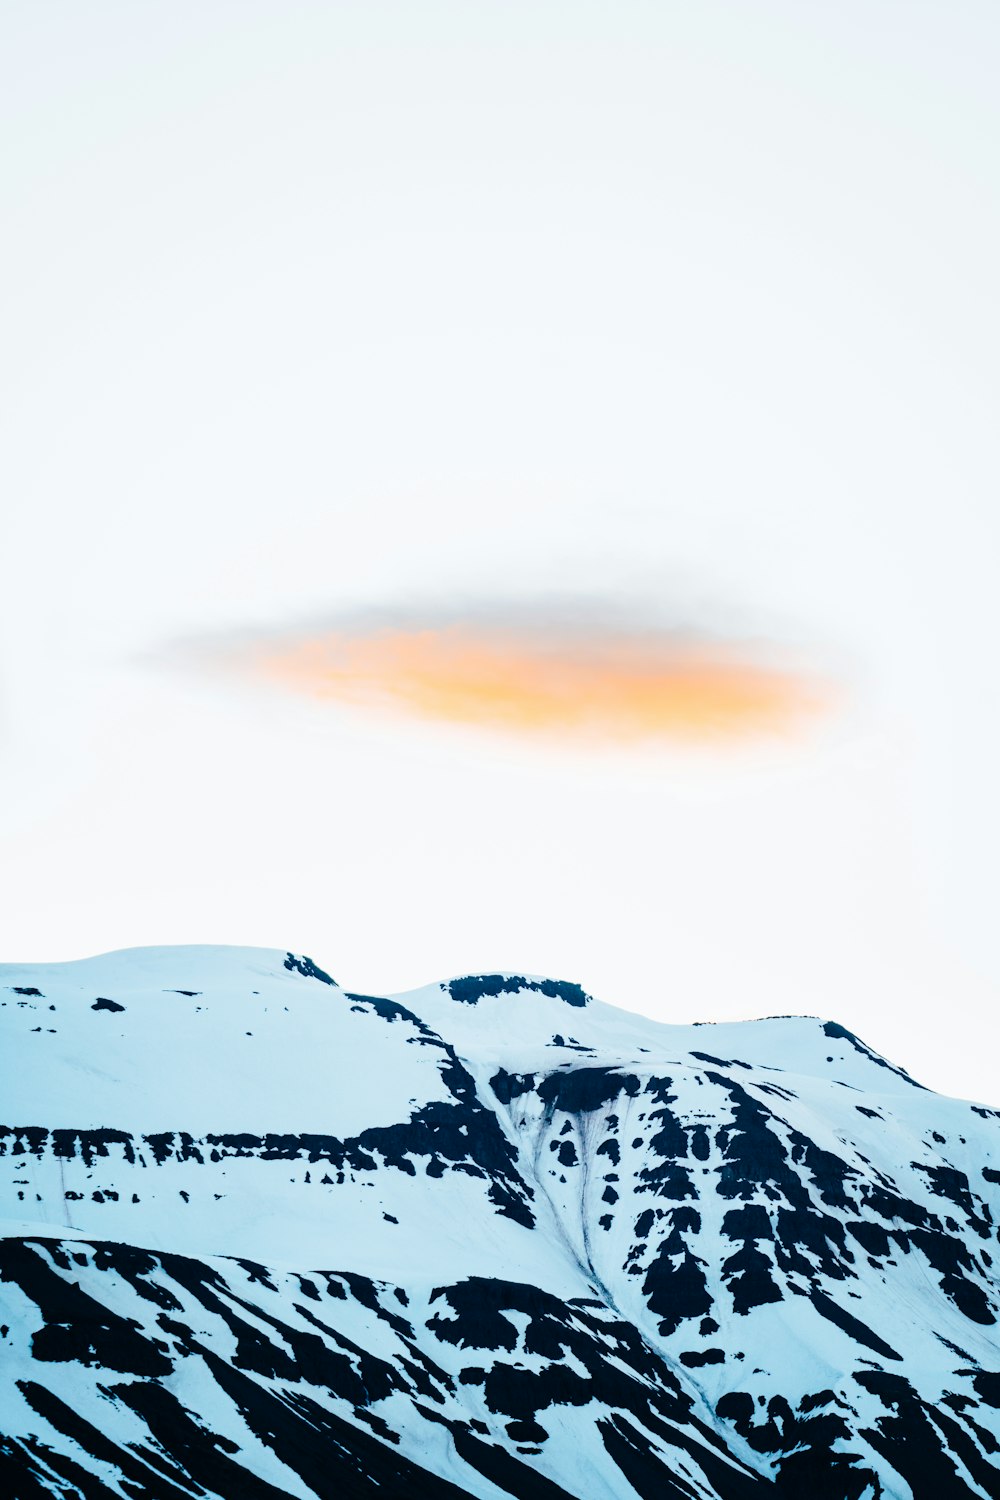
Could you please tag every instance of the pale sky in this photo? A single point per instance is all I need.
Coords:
(316, 312)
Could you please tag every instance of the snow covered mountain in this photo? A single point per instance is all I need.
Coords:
(263, 1238)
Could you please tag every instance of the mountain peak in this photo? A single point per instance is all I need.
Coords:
(264, 1236)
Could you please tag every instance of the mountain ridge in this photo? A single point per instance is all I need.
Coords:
(630, 1257)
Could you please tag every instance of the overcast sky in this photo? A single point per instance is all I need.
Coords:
(685, 313)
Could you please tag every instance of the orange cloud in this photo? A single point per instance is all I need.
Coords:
(604, 685)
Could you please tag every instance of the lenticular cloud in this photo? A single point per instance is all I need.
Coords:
(606, 681)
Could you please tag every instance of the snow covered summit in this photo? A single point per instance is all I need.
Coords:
(264, 1237)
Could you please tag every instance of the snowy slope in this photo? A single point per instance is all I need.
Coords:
(262, 1237)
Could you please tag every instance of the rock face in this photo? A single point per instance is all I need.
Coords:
(262, 1237)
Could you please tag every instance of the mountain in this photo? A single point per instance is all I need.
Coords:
(263, 1237)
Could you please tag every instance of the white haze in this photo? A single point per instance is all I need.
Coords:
(315, 308)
